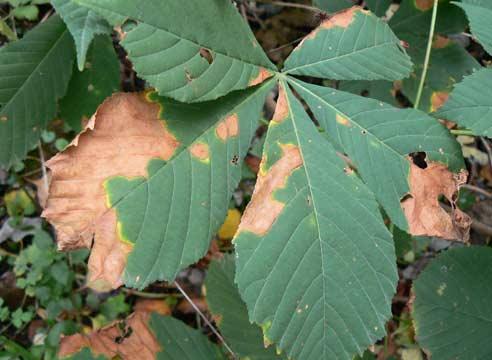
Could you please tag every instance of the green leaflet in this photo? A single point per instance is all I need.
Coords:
(155, 213)
(225, 303)
(369, 50)
(452, 304)
(449, 61)
(470, 103)
(332, 6)
(34, 74)
(316, 265)
(88, 89)
(378, 7)
(190, 51)
(179, 341)
(378, 138)
(379, 90)
(83, 24)
(412, 23)
(479, 13)
(448, 65)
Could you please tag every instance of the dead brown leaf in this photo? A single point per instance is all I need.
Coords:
(421, 206)
(129, 339)
(110, 145)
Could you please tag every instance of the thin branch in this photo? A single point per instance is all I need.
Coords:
(43, 168)
(289, 4)
(427, 55)
(146, 295)
(209, 324)
(477, 190)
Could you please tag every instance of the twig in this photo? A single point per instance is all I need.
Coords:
(477, 190)
(7, 253)
(43, 168)
(209, 324)
(459, 132)
(145, 294)
(289, 4)
(285, 45)
(486, 145)
(427, 55)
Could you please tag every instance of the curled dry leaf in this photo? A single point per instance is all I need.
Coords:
(425, 215)
(109, 146)
(127, 339)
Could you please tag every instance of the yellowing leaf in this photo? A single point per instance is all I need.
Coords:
(229, 228)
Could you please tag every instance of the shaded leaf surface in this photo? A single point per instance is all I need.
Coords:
(215, 56)
(83, 24)
(369, 50)
(470, 103)
(226, 305)
(479, 12)
(452, 304)
(315, 263)
(88, 89)
(41, 60)
(143, 188)
(378, 138)
(449, 63)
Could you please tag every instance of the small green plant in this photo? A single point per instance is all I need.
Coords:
(348, 169)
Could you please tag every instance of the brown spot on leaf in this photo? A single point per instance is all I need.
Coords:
(424, 5)
(3, 118)
(343, 120)
(199, 150)
(119, 140)
(253, 163)
(438, 98)
(262, 76)
(264, 209)
(282, 107)
(440, 42)
(421, 206)
(127, 339)
(228, 127)
(341, 19)
(207, 55)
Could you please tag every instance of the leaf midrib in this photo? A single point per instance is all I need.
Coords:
(338, 57)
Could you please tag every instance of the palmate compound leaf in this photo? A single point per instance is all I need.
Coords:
(470, 103)
(378, 139)
(142, 336)
(231, 315)
(352, 45)
(451, 312)
(83, 24)
(315, 262)
(153, 191)
(190, 50)
(479, 12)
(34, 74)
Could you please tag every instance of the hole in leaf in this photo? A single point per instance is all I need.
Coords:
(419, 159)
(207, 55)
